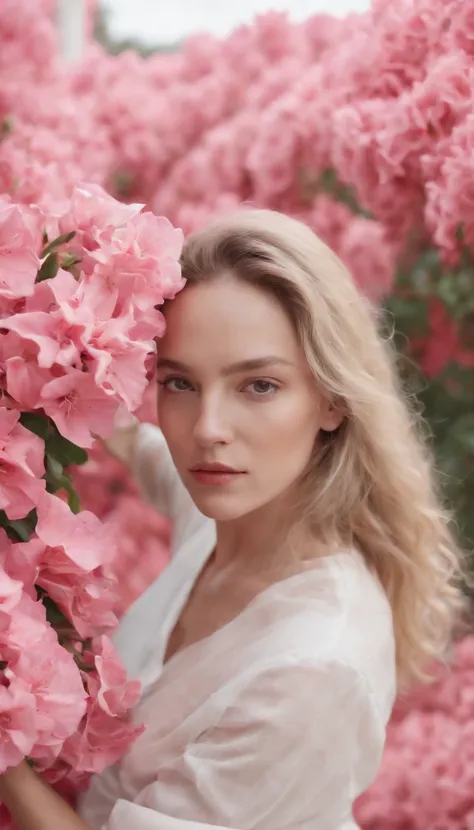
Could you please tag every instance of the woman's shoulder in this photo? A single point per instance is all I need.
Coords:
(337, 615)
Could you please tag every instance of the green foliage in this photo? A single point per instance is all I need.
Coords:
(49, 268)
(6, 127)
(53, 259)
(62, 239)
(446, 398)
(328, 182)
(19, 530)
(59, 453)
(56, 446)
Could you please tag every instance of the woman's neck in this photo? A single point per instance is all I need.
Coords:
(263, 541)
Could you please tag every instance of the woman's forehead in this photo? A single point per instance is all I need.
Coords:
(236, 319)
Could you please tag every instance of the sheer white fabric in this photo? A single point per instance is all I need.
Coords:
(276, 721)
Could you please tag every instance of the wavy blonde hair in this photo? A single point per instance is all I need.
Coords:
(370, 483)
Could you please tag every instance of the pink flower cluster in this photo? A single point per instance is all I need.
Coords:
(80, 290)
(64, 696)
(76, 345)
(427, 775)
(48, 142)
(385, 99)
(141, 536)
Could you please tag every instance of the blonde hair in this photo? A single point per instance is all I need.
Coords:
(370, 483)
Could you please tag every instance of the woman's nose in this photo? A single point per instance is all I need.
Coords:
(213, 423)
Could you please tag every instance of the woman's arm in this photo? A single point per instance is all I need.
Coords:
(294, 747)
(33, 804)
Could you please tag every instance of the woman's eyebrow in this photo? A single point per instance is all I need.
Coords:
(233, 368)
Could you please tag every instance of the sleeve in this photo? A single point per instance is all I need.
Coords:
(154, 471)
(296, 747)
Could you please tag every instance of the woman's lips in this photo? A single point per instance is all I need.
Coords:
(215, 478)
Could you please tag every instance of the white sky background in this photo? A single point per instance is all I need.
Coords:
(167, 21)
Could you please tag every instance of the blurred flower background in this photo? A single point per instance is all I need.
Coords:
(365, 129)
(356, 117)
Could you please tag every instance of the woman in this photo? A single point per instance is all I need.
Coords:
(312, 570)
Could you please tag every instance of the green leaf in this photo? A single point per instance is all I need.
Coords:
(6, 127)
(19, 530)
(122, 183)
(53, 467)
(463, 432)
(345, 193)
(73, 501)
(60, 240)
(406, 316)
(49, 268)
(69, 261)
(57, 479)
(36, 422)
(58, 620)
(58, 448)
(64, 451)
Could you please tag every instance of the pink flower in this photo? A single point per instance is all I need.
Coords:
(373, 153)
(17, 723)
(88, 600)
(118, 362)
(100, 741)
(84, 539)
(51, 334)
(10, 594)
(461, 28)
(329, 219)
(21, 464)
(28, 630)
(140, 260)
(81, 304)
(21, 561)
(274, 155)
(78, 407)
(109, 685)
(370, 257)
(60, 700)
(20, 241)
(90, 210)
(450, 203)
(24, 378)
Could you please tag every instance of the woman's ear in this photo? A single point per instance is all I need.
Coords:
(331, 415)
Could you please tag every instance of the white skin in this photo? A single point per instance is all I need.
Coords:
(263, 421)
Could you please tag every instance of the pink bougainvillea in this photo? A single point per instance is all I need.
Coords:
(363, 128)
(80, 289)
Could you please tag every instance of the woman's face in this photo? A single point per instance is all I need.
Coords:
(235, 389)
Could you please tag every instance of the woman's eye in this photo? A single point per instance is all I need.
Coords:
(263, 387)
(175, 384)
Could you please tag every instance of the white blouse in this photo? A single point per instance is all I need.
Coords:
(274, 722)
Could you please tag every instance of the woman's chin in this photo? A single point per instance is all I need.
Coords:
(219, 508)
